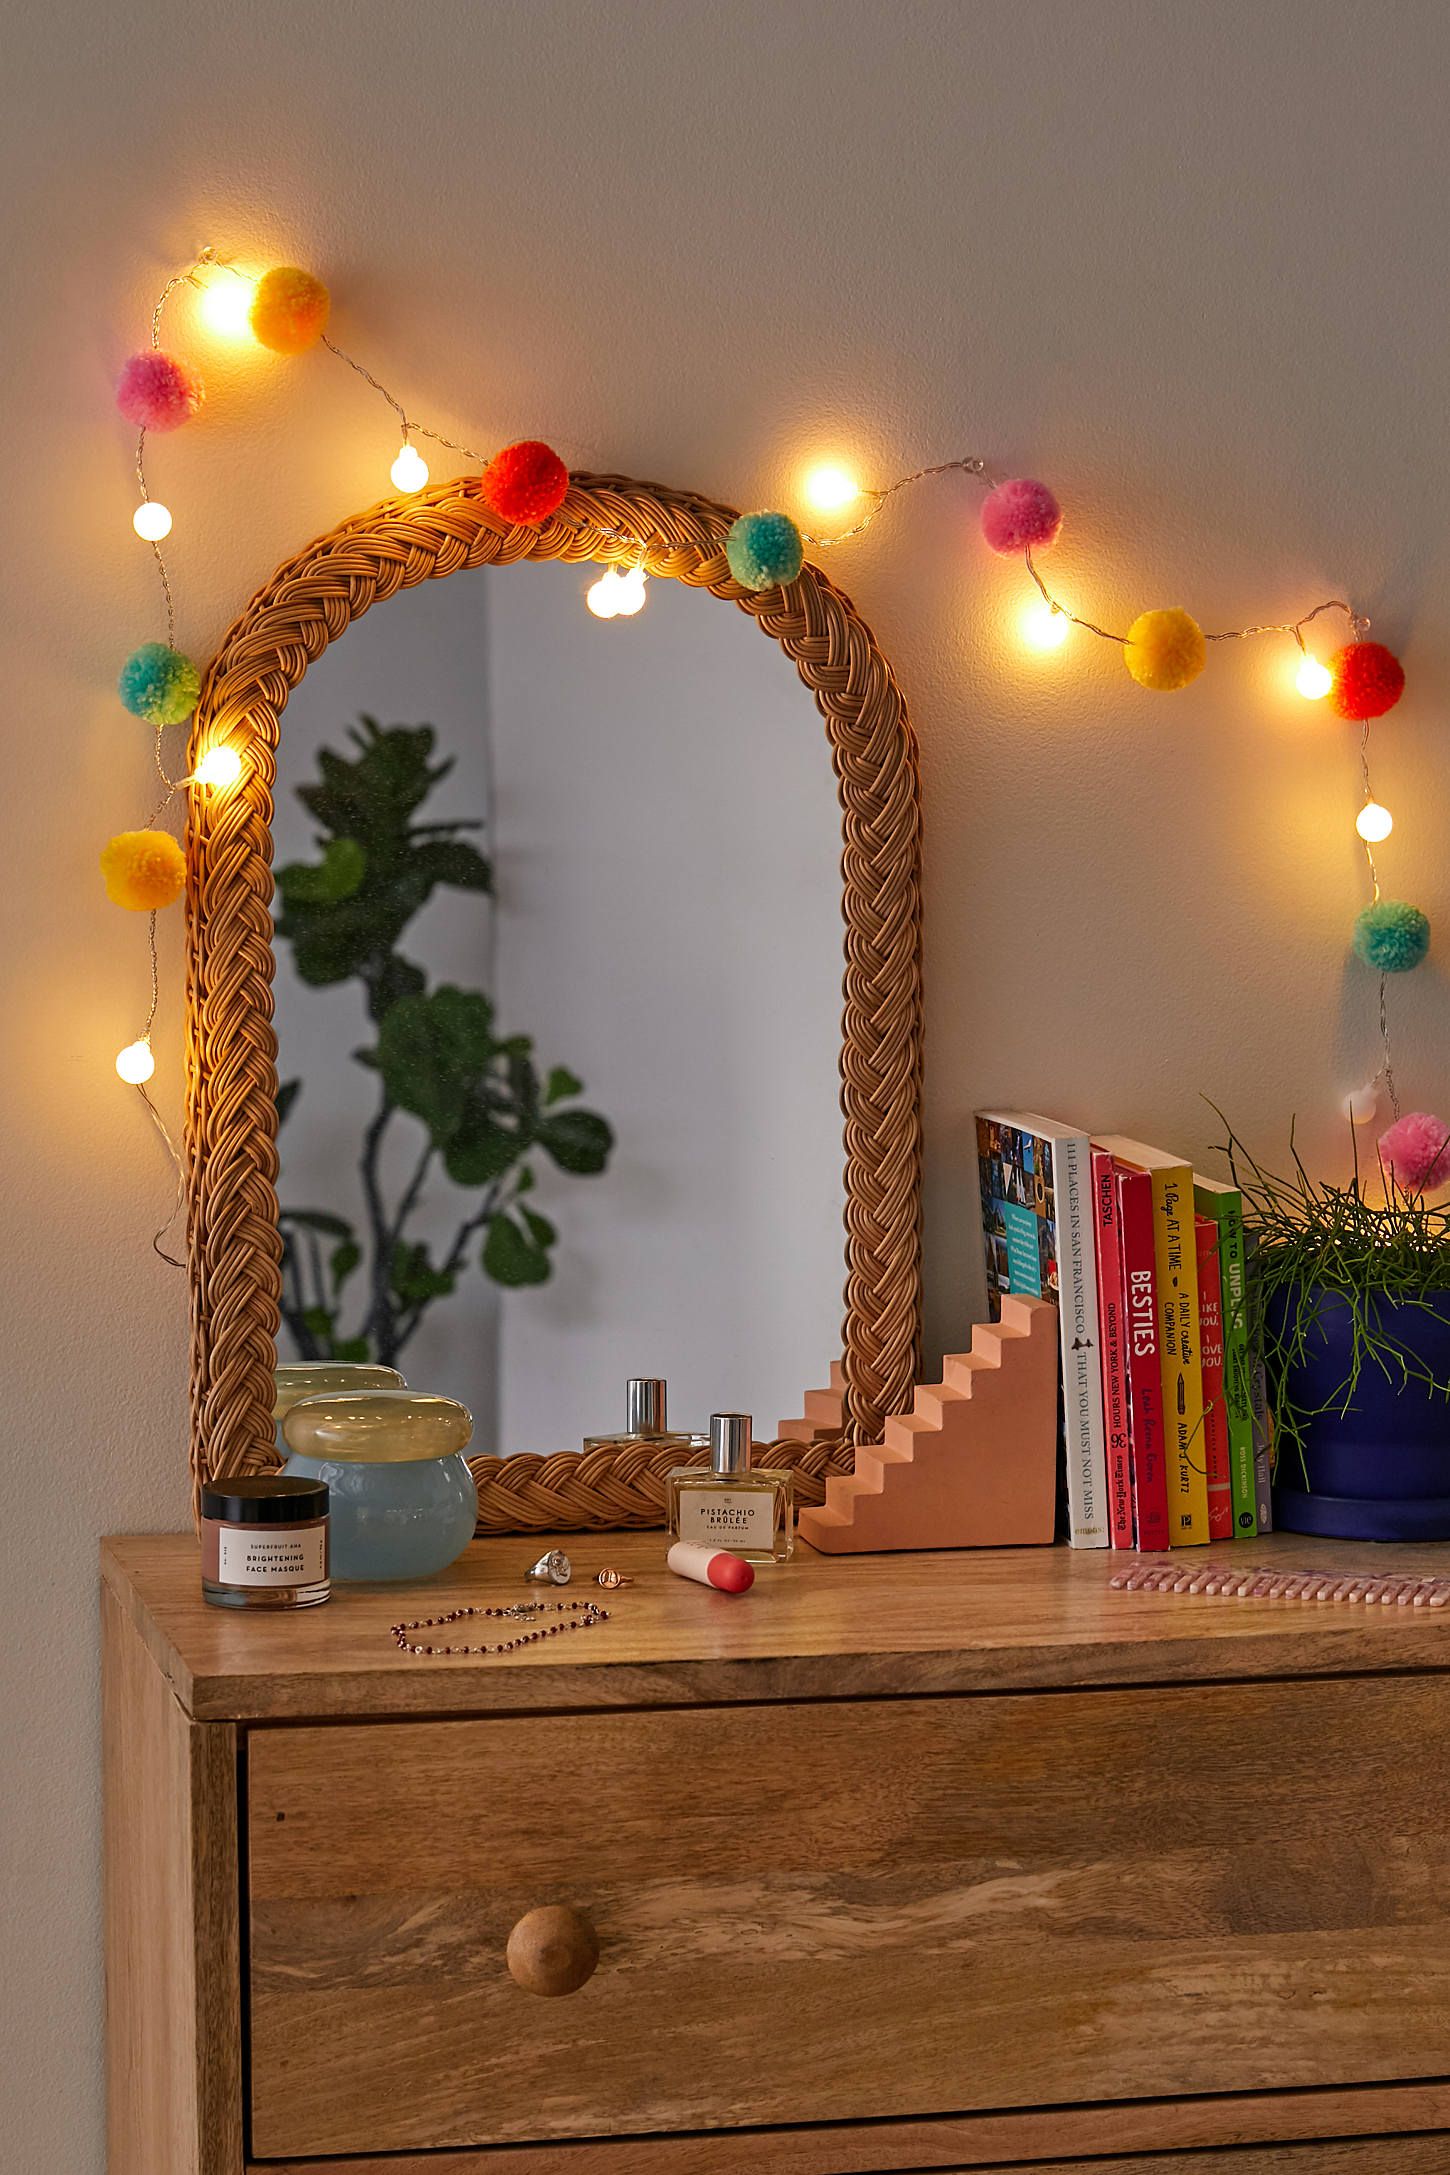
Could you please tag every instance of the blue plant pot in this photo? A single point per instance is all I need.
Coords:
(394, 1521)
(1379, 1470)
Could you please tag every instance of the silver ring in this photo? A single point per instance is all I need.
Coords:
(553, 1569)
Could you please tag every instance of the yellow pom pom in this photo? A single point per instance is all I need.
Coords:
(143, 870)
(1165, 649)
(289, 310)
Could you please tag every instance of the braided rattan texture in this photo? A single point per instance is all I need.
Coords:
(612, 1490)
(234, 1247)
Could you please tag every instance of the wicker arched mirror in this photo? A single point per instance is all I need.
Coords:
(234, 1243)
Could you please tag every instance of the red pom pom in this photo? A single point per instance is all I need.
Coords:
(525, 483)
(1368, 680)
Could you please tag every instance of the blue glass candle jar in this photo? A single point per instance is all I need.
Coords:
(402, 1500)
(295, 1379)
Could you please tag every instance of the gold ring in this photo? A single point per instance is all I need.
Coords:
(612, 1578)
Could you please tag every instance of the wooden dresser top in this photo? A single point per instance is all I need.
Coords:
(822, 1627)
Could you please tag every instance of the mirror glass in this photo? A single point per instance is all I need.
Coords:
(558, 971)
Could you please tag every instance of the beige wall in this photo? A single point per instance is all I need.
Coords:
(1186, 263)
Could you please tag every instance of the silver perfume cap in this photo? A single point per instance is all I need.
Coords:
(645, 1406)
(730, 1442)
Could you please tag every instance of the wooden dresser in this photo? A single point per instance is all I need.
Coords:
(905, 1862)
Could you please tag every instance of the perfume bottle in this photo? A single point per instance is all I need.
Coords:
(731, 1503)
(645, 1421)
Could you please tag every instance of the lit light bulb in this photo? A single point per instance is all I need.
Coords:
(829, 488)
(1043, 628)
(409, 471)
(135, 1063)
(151, 520)
(220, 766)
(1374, 823)
(1362, 1103)
(226, 305)
(616, 595)
(1313, 679)
(630, 593)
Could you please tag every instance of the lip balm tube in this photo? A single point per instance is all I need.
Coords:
(711, 1566)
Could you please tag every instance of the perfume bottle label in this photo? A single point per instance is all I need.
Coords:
(728, 1517)
(249, 1558)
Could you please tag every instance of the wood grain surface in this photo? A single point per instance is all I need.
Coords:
(873, 2149)
(854, 1910)
(818, 1628)
(173, 1959)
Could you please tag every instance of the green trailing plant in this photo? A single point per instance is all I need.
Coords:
(482, 1111)
(1387, 1258)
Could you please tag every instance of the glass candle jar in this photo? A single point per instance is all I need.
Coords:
(299, 1378)
(403, 1501)
(264, 1542)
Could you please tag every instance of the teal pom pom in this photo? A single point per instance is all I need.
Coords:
(159, 683)
(765, 550)
(1391, 936)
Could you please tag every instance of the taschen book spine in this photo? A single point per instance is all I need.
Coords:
(1215, 1418)
(1146, 1436)
(1225, 1204)
(1082, 1388)
(1114, 1356)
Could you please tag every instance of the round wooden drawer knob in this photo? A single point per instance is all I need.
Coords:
(552, 1950)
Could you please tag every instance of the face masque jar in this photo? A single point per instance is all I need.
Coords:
(264, 1543)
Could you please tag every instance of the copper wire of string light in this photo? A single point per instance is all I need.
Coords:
(973, 466)
(410, 428)
(187, 278)
(1358, 626)
(968, 465)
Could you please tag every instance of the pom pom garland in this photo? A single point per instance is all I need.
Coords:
(525, 483)
(144, 870)
(158, 683)
(157, 391)
(1020, 515)
(1165, 649)
(764, 550)
(1368, 680)
(289, 310)
(1416, 1152)
(1391, 936)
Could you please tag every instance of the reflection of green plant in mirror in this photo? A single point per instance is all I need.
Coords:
(484, 1110)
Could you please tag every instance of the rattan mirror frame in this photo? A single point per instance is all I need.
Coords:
(233, 1243)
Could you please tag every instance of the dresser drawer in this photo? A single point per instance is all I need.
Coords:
(839, 1911)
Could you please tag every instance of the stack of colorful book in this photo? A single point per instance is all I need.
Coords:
(1165, 1442)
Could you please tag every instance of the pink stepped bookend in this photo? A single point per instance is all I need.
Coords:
(973, 1465)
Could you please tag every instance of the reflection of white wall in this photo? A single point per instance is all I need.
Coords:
(421, 659)
(667, 848)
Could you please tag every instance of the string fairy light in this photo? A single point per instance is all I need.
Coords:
(617, 594)
(286, 310)
(1165, 650)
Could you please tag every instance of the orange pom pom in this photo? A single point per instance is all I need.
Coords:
(524, 483)
(289, 310)
(144, 870)
(1368, 680)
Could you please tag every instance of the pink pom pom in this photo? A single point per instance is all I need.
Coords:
(1020, 515)
(1416, 1152)
(157, 391)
